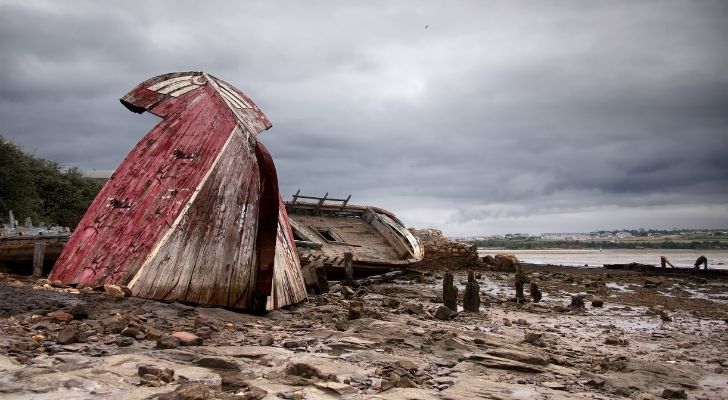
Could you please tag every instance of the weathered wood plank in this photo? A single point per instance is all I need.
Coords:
(38, 258)
(193, 212)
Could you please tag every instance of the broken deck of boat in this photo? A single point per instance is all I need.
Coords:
(326, 228)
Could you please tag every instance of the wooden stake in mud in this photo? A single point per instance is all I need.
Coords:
(38, 256)
(471, 297)
(664, 262)
(520, 281)
(348, 269)
(449, 292)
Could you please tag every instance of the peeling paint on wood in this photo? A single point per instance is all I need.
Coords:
(375, 237)
(193, 212)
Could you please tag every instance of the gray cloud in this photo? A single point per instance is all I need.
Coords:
(498, 117)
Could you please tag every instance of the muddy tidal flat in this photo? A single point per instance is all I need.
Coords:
(637, 336)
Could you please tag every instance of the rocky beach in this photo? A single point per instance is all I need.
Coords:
(595, 333)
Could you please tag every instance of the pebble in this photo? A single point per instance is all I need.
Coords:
(67, 335)
(61, 316)
(153, 333)
(114, 291)
(266, 340)
(188, 339)
(444, 313)
(356, 309)
(153, 373)
(217, 363)
(124, 341)
(79, 311)
(391, 302)
(414, 308)
(674, 393)
(131, 332)
(167, 342)
(290, 344)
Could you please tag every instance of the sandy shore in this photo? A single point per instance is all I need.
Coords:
(643, 343)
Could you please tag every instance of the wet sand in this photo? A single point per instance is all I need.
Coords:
(667, 338)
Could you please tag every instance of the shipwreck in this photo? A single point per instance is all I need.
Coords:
(326, 229)
(193, 213)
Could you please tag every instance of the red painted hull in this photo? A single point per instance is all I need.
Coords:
(193, 212)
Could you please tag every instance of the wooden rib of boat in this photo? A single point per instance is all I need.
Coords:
(328, 228)
(193, 213)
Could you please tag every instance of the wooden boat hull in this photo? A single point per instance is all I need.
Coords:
(193, 212)
(377, 240)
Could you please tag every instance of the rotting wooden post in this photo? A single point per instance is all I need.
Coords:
(348, 269)
(471, 297)
(535, 292)
(520, 281)
(449, 292)
(38, 256)
(321, 280)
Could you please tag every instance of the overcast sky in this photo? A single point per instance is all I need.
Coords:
(471, 117)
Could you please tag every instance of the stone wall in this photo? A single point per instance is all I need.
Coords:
(443, 253)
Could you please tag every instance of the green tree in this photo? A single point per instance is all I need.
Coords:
(40, 189)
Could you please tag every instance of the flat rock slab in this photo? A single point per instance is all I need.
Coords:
(476, 388)
(332, 366)
(490, 361)
(252, 352)
(535, 358)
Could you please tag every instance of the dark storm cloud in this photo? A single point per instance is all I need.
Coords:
(554, 116)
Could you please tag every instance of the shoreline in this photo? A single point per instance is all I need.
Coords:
(651, 334)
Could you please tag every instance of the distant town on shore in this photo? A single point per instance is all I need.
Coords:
(617, 239)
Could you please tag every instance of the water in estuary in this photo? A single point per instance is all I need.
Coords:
(596, 258)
